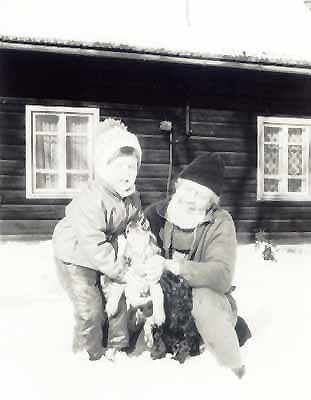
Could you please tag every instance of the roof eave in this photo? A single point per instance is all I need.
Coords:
(159, 55)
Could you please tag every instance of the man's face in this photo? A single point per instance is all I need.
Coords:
(120, 173)
(194, 198)
(189, 204)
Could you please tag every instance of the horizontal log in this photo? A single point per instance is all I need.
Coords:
(238, 198)
(278, 238)
(17, 104)
(265, 212)
(12, 120)
(12, 152)
(293, 225)
(222, 130)
(222, 116)
(231, 159)
(151, 184)
(198, 143)
(232, 185)
(10, 104)
(290, 237)
(34, 212)
(12, 182)
(241, 173)
(12, 167)
(19, 197)
(159, 141)
(155, 156)
(19, 227)
(240, 185)
(12, 136)
(227, 144)
(148, 198)
(132, 111)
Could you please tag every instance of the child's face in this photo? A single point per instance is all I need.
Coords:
(120, 173)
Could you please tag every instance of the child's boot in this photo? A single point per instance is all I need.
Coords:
(111, 353)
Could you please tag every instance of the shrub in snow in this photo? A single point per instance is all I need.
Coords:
(265, 246)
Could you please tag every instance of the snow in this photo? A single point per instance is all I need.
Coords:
(275, 29)
(36, 326)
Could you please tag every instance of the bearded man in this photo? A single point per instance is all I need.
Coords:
(198, 241)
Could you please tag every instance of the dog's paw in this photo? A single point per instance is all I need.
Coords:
(158, 316)
(148, 332)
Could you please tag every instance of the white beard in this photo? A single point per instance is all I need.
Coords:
(182, 217)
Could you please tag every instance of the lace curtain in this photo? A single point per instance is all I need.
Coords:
(53, 152)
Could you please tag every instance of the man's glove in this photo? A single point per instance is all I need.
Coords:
(173, 266)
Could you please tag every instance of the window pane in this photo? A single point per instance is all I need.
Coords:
(294, 135)
(271, 134)
(295, 185)
(271, 185)
(271, 159)
(76, 181)
(46, 152)
(294, 160)
(46, 181)
(77, 124)
(47, 123)
(76, 152)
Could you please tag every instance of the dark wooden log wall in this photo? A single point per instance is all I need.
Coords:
(231, 133)
(224, 108)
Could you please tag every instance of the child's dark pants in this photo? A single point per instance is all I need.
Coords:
(83, 288)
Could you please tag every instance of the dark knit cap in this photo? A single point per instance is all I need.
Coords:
(207, 170)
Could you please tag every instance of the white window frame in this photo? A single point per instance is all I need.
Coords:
(31, 111)
(286, 123)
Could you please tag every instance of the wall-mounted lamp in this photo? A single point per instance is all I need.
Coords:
(167, 126)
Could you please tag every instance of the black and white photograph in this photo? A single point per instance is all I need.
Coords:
(155, 199)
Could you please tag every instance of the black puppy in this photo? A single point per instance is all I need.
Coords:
(178, 335)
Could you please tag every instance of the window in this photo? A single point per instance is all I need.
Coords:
(59, 148)
(283, 159)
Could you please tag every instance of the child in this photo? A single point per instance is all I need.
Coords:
(86, 240)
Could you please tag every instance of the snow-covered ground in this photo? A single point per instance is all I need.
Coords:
(36, 325)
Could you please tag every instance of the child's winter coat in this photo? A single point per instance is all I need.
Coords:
(87, 235)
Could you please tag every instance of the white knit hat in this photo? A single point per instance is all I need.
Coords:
(112, 136)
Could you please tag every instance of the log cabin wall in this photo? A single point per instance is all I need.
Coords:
(224, 107)
(22, 216)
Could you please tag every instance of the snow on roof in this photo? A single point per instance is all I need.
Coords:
(264, 32)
